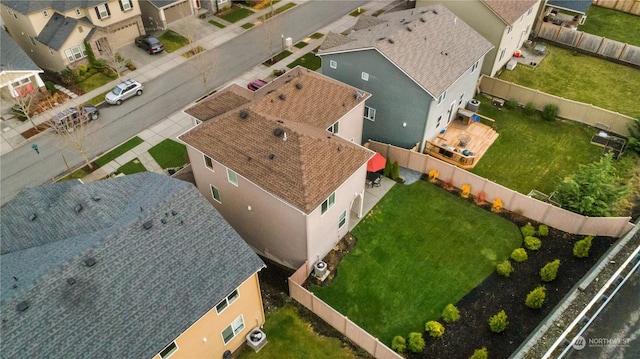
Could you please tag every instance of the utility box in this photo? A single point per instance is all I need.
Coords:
(288, 42)
(256, 339)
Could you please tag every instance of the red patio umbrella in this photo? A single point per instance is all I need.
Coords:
(376, 163)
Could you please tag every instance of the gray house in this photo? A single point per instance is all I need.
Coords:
(420, 65)
(140, 266)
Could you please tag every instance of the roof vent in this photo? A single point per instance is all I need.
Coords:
(249, 158)
(390, 41)
(277, 132)
(434, 11)
(164, 221)
(282, 96)
(181, 222)
(90, 262)
(173, 212)
(423, 11)
(22, 306)
(71, 281)
(358, 96)
(444, 53)
(423, 19)
(96, 198)
(382, 38)
(298, 86)
(33, 217)
(78, 208)
(271, 156)
(409, 28)
(243, 115)
(147, 224)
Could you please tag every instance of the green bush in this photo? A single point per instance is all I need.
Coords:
(51, 87)
(450, 313)
(519, 255)
(434, 328)
(582, 247)
(532, 243)
(535, 298)
(395, 171)
(504, 268)
(550, 112)
(90, 55)
(480, 354)
(387, 168)
(543, 230)
(550, 271)
(498, 322)
(416, 342)
(528, 230)
(82, 69)
(529, 108)
(511, 104)
(18, 111)
(399, 344)
(92, 71)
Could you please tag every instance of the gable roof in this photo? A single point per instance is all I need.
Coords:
(580, 6)
(147, 286)
(509, 10)
(12, 57)
(305, 163)
(430, 44)
(30, 6)
(57, 31)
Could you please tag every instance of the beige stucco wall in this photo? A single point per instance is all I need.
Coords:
(116, 16)
(350, 125)
(204, 338)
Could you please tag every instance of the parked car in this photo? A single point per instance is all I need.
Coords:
(71, 118)
(256, 84)
(123, 91)
(150, 44)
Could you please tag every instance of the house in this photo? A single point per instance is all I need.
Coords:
(506, 24)
(420, 65)
(139, 266)
(158, 14)
(53, 33)
(18, 74)
(283, 164)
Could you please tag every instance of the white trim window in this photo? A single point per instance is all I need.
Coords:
(502, 54)
(328, 203)
(220, 307)
(442, 97)
(78, 12)
(232, 176)
(333, 64)
(76, 53)
(233, 329)
(125, 5)
(369, 113)
(215, 194)
(103, 11)
(168, 350)
(365, 76)
(475, 66)
(461, 99)
(334, 128)
(208, 162)
(33, 41)
(342, 219)
(45, 13)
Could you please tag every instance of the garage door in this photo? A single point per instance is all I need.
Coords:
(177, 12)
(124, 35)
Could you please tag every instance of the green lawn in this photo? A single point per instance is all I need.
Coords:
(173, 41)
(118, 151)
(532, 153)
(316, 35)
(95, 81)
(612, 24)
(169, 153)
(582, 78)
(277, 58)
(94, 101)
(308, 60)
(301, 44)
(247, 25)
(419, 249)
(131, 167)
(235, 14)
(291, 337)
(357, 12)
(214, 23)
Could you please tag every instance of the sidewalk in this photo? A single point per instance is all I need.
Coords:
(179, 122)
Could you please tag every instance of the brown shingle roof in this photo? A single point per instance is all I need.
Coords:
(435, 52)
(233, 97)
(306, 168)
(509, 10)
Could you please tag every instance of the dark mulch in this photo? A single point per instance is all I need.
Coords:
(34, 131)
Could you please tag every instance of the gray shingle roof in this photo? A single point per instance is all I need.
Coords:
(162, 3)
(57, 30)
(509, 10)
(580, 6)
(30, 6)
(430, 44)
(12, 57)
(147, 286)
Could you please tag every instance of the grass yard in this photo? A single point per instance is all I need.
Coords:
(582, 78)
(95, 81)
(173, 41)
(235, 14)
(277, 58)
(612, 24)
(214, 23)
(301, 44)
(357, 12)
(316, 35)
(169, 153)
(94, 101)
(118, 151)
(291, 337)
(308, 60)
(247, 25)
(419, 249)
(131, 167)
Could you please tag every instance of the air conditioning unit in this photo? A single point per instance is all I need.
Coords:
(321, 270)
(256, 339)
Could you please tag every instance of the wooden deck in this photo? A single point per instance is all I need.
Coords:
(474, 137)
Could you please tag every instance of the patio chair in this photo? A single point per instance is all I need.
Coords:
(376, 182)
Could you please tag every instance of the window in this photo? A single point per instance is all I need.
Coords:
(215, 194)
(233, 329)
(502, 54)
(125, 5)
(232, 177)
(208, 162)
(76, 53)
(33, 41)
(333, 64)
(442, 97)
(342, 219)
(103, 11)
(9, 11)
(45, 13)
(170, 349)
(78, 12)
(461, 99)
(509, 30)
(333, 128)
(530, 10)
(438, 122)
(475, 66)
(227, 301)
(370, 113)
(329, 202)
(365, 76)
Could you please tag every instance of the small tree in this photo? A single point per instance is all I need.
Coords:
(24, 100)
(550, 112)
(387, 168)
(535, 298)
(75, 134)
(116, 63)
(550, 271)
(395, 171)
(582, 247)
(416, 342)
(504, 268)
(434, 328)
(498, 323)
(480, 354)
(450, 313)
(399, 344)
(519, 255)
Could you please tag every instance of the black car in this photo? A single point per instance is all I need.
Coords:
(149, 44)
(70, 118)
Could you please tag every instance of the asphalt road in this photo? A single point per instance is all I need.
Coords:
(23, 167)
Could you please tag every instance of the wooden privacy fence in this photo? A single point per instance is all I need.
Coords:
(628, 6)
(532, 208)
(341, 323)
(569, 109)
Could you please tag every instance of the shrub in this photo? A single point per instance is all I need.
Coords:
(480, 354)
(550, 112)
(433, 175)
(543, 230)
(582, 247)
(92, 71)
(466, 190)
(511, 104)
(434, 328)
(480, 198)
(80, 78)
(528, 230)
(68, 75)
(519, 255)
(504, 268)
(498, 322)
(529, 108)
(387, 168)
(399, 344)
(532, 243)
(550, 271)
(448, 184)
(51, 87)
(497, 205)
(90, 55)
(82, 69)
(395, 171)
(535, 298)
(416, 342)
(450, 313)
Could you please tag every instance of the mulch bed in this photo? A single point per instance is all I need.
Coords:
(34, 131)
